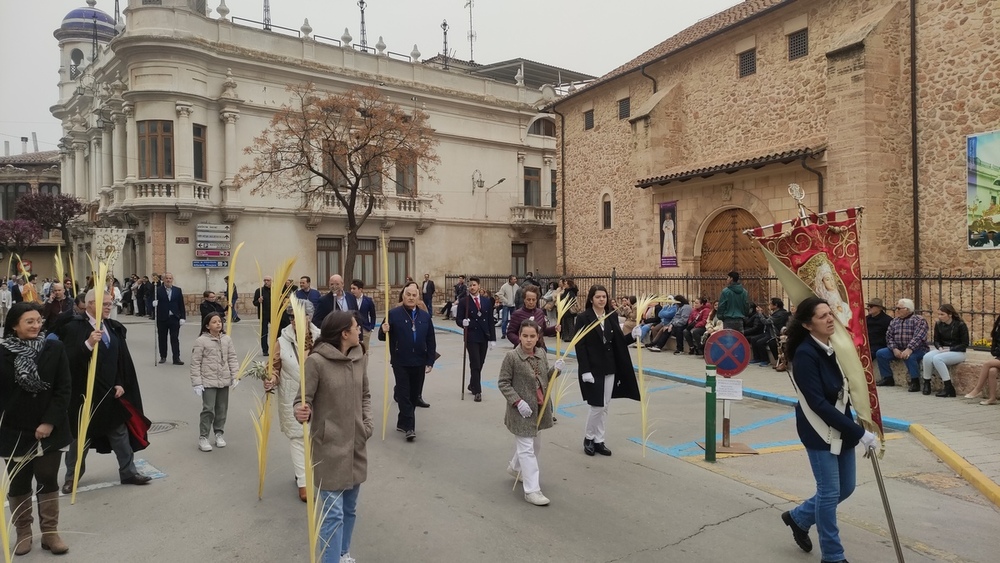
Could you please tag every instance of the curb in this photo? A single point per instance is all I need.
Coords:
(959, 464)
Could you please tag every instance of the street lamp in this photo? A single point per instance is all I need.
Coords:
(477, 182)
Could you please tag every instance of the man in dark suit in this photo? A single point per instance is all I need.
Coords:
(115, 381)
(56, 305)
(232, 299)
(262, 301)
(170, 316)
(427, 292)
(336, 300)
(475, 316)
(366, 311)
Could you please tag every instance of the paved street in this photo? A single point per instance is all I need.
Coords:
(447, 496)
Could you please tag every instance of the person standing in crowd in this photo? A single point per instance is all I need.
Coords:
(734, 303)
(112, 288)
(530, 310)
(951, 340)
(569, 293)
(170, 317)
(262, 302)
(548, 301)
(877, 322)
(306, 291)
(475, 316)
(211, 304)
(768, 340)
(412, 351)
(214, 367)
(605, 367)
(285, 368)
(507, 295)
(427, 292)
(906, 340)
(143, 296)
(338, 401)
(366, 312)
(16, 290)
(35, 387)
(460, 291)
(232, 300)
(825, 426)
(56, 305)
(990, 371)
(116, 381)
(5, 301)
(336, 300)
(523, 379)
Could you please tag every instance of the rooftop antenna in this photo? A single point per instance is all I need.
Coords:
(117, 14)
(364, 31)
(472, 31)
(444, 28)
(94, 39)
(267, 15)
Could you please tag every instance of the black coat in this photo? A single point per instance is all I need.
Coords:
(21, 412)
(602, 356)
(482, 325)
(115, 367)
(412, 343)
(878, 326)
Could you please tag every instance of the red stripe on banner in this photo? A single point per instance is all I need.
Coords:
(831, 216)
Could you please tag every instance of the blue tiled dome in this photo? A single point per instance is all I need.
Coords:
(81, 22)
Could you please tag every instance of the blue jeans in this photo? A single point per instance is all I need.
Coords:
(504, 317)
(939, 360)
(338, 525)
(835, 479)
(884, 359)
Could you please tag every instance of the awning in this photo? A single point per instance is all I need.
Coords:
(755, 163)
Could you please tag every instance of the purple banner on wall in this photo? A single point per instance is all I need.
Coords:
(668, 234)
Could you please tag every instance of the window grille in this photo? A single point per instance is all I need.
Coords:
(798, 44)
(624, 108)
(748, 63)
(588, 119)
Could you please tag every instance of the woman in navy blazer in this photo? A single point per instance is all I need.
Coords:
(821, 384)
(412, 352)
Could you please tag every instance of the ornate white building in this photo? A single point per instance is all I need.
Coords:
(158, 110)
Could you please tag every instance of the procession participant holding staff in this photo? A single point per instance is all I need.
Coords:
(475, 315)
(412, 351)
(605, 367)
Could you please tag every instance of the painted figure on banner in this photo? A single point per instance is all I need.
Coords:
(828, 286)
(668, 236)
(668, 242)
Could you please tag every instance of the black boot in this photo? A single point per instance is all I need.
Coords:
(948, 391)
(588, 446)
(600, 448)
(926, 389)
(914, 386)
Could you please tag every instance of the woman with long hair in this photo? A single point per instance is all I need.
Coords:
(951, 339)
(35, 390)
(285, 368)
(605, 366)
(825, 425)
(339, 405)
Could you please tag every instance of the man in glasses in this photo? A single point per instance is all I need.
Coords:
(906, 340)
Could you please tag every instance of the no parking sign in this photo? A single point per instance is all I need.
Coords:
(729, 351)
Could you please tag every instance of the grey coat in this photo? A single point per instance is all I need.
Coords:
(337, 390)
(520, 375)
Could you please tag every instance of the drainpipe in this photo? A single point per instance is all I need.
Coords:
(819, 182)
(642, 70)
(913, 151)
(562, 183)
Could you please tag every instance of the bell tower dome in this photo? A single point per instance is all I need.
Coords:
(82, 35)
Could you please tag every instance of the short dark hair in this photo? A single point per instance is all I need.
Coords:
(307, 278)
(17, 310)
(474, 279)
(207, 293)
(461, 277)
(358, 284)
(735, 275)
(777, 303)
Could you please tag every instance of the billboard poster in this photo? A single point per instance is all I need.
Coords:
(668, 234)
(983, 206)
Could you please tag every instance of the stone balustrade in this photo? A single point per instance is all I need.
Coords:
(392, 206)
(532, 214)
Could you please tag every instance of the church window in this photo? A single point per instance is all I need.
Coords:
(606, 212)
(624, 108)
(156, 149)
(748, 63)
(798, 44)
(588, 119)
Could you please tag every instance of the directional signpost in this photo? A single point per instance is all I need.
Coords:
(210, 264)
(213, 246)
(729, 351)
(212, 253)
(214, 241)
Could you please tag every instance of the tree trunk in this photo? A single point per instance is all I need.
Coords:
(350, 256)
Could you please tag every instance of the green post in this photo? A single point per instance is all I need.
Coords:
(710, 413)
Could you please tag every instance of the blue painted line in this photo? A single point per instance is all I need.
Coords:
(491, 384)
(663, 388)
(563, 412)
(690, 448)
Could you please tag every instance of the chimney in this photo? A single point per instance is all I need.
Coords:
(24, 145)
(6, 148)
(34, 140)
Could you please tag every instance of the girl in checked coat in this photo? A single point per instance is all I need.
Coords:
(524, 377)
(214, 366)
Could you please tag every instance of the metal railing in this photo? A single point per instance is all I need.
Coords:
(267, 26)
(973, 294)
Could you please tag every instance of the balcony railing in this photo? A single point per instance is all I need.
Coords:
(532, 214)
(147, 190)
(384, 205)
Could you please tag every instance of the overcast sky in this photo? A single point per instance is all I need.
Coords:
(584, 35)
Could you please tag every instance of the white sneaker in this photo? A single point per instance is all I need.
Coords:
(220, 442)
(203, 444)
(537, 498)
(346, 558)
(513, 473)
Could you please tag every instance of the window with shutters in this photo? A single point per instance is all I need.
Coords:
(798, 44)
(554, 187)
(624, 108)
(588, 119)
(748, 63)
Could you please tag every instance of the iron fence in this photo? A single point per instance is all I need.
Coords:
(973, 294)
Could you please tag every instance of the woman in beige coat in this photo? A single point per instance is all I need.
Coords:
(524, 377)
(214, 366)
(338, 403)
(285, 367)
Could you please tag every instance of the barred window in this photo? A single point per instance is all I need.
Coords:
(798, 44)
(588, 119)
(624, 108)
(748, 63)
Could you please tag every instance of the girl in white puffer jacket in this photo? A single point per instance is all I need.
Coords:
(214, 367)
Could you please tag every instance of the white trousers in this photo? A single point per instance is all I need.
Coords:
(598, 417)
(298, 448)
(526, 461)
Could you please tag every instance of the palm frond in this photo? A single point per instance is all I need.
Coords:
(385, 385)
(643, 303)
(301, 328)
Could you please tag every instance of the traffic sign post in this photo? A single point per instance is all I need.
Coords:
(213, 246)
(212, 253)
(709, 444)
(210, 264)
(219, 227)
(728, 352)
(214, 242)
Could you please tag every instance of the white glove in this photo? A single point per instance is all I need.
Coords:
(465, 323)
(182, 322)
(523, 408)
(637, 333)
(587, 377)
(155, 303)
(493, 344)
(234, 384)
(869, 440)
(559, 365)
(199, 389)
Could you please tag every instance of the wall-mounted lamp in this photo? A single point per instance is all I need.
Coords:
(477, 180)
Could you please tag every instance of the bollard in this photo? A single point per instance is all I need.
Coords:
(710, 413)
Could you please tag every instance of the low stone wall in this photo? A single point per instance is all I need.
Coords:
(963, 375)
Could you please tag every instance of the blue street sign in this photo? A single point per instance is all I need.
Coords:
(729, 351)
(210, 264)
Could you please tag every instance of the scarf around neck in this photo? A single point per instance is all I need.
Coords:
(26, 362)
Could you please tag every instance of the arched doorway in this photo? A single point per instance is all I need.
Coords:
(725, 248)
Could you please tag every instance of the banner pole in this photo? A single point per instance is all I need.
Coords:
(873, 455)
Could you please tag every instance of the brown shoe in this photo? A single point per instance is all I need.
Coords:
(302, 494)
(48, 519)
(21, 517)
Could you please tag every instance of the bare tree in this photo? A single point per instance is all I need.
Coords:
(349, 142)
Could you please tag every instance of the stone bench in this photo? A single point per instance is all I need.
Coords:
(963, 375)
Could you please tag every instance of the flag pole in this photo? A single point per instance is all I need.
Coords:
(872, 454)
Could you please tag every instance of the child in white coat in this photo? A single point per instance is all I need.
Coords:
(214, 367)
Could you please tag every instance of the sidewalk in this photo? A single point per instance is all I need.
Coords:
(964, 434)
